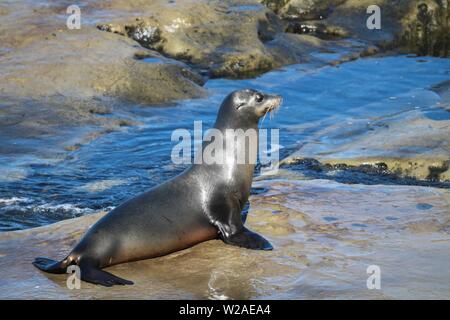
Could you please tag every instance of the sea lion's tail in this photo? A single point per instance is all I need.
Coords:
(51, 266)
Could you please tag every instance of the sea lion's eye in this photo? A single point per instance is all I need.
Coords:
(259, 97)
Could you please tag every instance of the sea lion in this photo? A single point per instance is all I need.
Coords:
(202, 203)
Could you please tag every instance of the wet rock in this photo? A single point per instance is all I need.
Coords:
(103, 65)
(420, 27)
(225, 37)
(319, 30)
(68, 77)
(147, 36)
(85, 63)
(408, 145)
(352, 16)
(54, 78)
(443, 89)
(232, 38)
(243, 66)
(275, 5)
(427, 29)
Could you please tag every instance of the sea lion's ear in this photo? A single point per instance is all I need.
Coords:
(239, 105)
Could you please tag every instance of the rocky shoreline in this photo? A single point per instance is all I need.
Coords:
(405, 145)
(233, 38)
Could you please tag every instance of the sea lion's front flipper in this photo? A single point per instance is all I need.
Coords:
(225, 213)
(248, 239)
(97, 276)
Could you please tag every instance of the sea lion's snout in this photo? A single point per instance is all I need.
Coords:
(274, 102)
(270, 102)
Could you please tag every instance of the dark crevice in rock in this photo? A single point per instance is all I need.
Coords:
(268, 29)
(140, 55)
(147, 36)
(242, 68)
(435, 171)
(275, 5)
(319, 14)
(316, 29)
(303, 10)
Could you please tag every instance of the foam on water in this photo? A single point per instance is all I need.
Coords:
(14, 200)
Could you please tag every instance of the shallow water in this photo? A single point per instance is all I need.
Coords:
(98, 176)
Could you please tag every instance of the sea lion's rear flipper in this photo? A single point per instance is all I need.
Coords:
(50, 266)
(248, 239)
(88, 272)
(97, 276)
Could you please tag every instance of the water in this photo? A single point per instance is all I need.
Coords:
(100, 175)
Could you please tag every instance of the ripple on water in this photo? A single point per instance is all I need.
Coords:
(99, 186)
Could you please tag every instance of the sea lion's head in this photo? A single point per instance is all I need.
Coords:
(244, 108)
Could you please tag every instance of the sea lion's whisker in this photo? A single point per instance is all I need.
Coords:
(265, 114)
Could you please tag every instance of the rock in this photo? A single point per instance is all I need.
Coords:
(83, 64)
(317, 29)
(104, 65)
(352, 16)
(303, 9)
(407, 145)
(426, 29)
(65, 81)
(275, 5)
(243, 66)
(225, 37)
(419, 26)
(443, 89)
(232, 38)
(54, 79)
